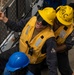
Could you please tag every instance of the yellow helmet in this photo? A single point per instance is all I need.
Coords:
(48, 14)
(65, 15)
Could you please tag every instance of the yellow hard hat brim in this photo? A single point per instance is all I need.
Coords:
(62, 21)
(44, 17)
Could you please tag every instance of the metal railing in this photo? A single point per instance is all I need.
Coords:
(14, 10)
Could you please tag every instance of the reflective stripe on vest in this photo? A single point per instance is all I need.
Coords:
(27, 30)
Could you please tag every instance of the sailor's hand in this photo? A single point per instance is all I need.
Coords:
(3, 17)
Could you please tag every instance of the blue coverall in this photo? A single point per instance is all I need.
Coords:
(6, 72)
(54, 3)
